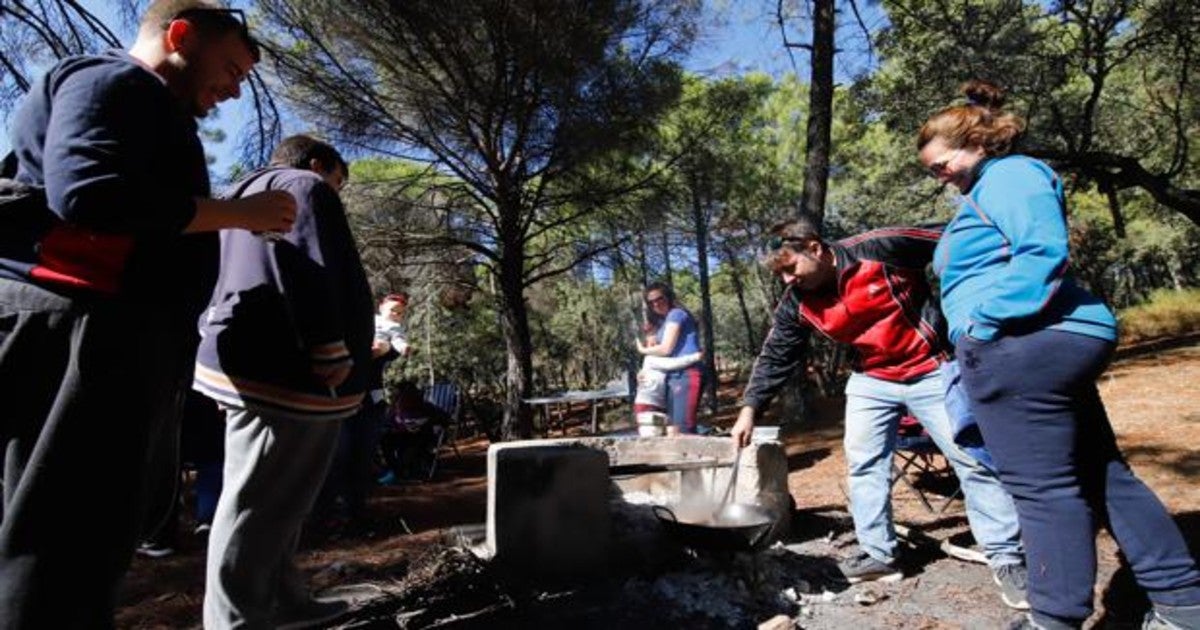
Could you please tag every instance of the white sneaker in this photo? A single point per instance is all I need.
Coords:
(155, 550)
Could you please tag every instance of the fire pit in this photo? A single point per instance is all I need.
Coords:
(572, 540)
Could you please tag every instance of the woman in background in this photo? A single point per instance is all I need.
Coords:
(675, 336)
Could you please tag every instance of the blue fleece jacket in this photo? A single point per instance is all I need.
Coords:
(1003, 259)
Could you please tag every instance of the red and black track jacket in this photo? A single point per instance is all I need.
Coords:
(883, 306)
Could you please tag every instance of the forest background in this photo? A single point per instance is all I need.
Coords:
(523, 167)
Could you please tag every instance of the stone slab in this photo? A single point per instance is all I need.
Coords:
(548, 506)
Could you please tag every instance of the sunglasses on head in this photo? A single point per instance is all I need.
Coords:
(236, 14)
(776, 242)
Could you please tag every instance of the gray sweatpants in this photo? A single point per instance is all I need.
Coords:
(273, 470)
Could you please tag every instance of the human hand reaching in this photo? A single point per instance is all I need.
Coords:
(267, 211)
(743, 428)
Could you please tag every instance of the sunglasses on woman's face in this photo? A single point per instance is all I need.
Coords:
(939, 166)
(662, 299)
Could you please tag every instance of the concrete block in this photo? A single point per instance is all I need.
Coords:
(548, 507)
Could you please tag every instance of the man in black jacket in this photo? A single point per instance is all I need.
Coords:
(100, 287)
(286, 350)
(870, 292)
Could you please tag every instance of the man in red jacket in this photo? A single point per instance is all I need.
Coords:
(870, 292)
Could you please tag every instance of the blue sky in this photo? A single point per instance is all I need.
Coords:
(739, 36)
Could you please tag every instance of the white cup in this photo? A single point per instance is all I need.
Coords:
(651, 430)
(652, 418)
(764, 434)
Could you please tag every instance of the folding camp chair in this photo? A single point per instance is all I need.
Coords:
(422, 421)
(917, 454)
(446, 397)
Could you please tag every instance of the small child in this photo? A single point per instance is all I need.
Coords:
(389, 323)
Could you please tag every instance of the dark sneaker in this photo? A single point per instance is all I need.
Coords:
(311, 614)
(864, 568)
(155, 550)
(202, 529)
(1172, 618)
(1030, 622)
(1024, 622)
(359, 528)
(1013, 586)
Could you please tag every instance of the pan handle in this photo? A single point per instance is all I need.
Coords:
(758, 538)
(659, 509)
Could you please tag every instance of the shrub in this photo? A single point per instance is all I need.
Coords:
(1167, 313)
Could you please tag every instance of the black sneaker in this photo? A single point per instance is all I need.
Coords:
(1028, 622)
(1024, 622)
(314, 613)
(155, 550)
(864, 568)
(1011, 578)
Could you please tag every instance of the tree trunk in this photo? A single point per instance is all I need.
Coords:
(739, 289)
(820, 111)
(429, 316)
(518, 419)
(1175, 269)
(643, 265)
(666, 253)
(700, 221)
(1114, 208)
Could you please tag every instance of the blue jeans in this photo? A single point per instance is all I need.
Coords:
(873, 411)
(683, 397)
(208, 490)
(1035, 398)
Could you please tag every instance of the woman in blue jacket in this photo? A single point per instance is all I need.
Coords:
(1031, 344)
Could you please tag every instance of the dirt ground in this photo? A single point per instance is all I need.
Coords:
(1152, 399)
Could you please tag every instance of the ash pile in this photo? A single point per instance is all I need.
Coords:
(451, 587)
(576, 537)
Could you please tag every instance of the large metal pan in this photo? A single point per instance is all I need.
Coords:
(733, 527)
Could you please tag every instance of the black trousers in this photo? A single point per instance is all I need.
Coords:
(1035, 398)
(84, 382)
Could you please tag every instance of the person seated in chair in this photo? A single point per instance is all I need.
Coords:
(412, 437)
(870, 291)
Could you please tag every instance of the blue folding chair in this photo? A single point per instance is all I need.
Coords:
(445, 396)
